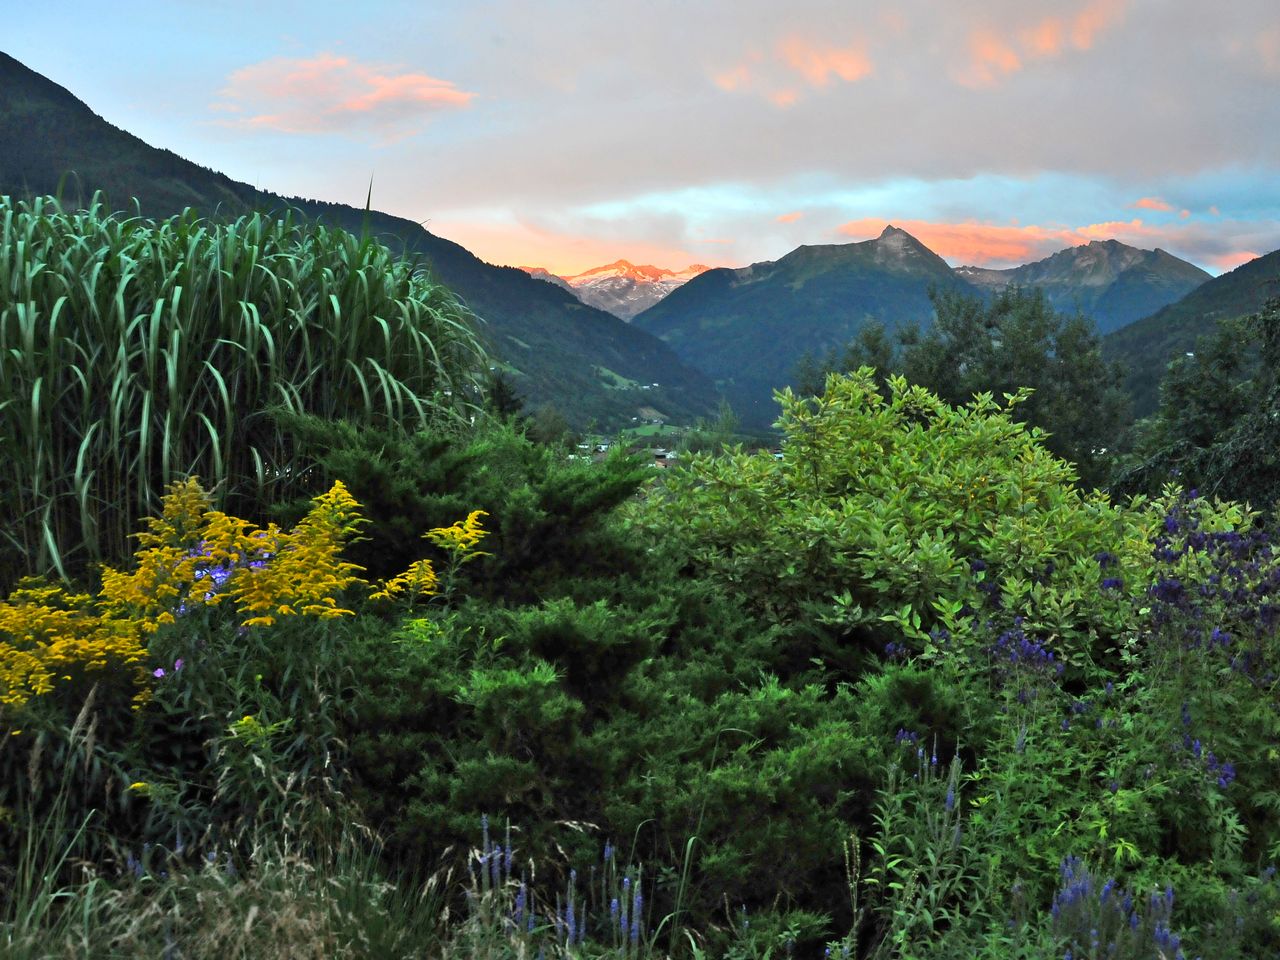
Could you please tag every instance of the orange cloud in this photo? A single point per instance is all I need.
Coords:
(732, 79)
(783, 98)
(999, 244)
(1268, 47)
(1151, 203)
(1096, 17)
(1044, 38)
(563, 253)
(993, 55)
(790, 217)
(819, 64)
(1229, 261)
(990, 59)
(329, 93)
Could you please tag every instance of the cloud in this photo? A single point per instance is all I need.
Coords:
(818, 64)
(1267, 44)
(1151, 203)
(1232, 259)
(994, 54)
(794, 58)
(1044, 38)
(1003, 245)
(990, 59)
(733, 78)
(1097, 16)
(334, 94)
(789, 217)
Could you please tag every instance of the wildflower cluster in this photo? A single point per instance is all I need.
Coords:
(1097, 920)
(500, 900)
(462, 539)
(48, 634)
(193, 556)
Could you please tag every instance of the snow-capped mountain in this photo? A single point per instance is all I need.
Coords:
(622, 288)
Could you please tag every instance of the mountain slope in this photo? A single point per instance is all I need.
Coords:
(749, 327)
(1148, 345)
(1108, 281)
(587, 362)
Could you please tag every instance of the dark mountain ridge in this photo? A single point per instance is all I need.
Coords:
(748, 327)
(1109, 281)
(1148, 345)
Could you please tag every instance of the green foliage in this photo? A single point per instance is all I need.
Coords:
(545, 513)
(1218, 426)
(134, 352)
(1148, 346)
(1017, 340)
(873, 524)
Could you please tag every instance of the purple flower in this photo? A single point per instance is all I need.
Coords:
(158, 673)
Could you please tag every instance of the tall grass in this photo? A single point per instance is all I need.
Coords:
(134, 352)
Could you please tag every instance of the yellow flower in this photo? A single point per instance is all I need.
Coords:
(462, 538)
(419, 580)
(141, 788)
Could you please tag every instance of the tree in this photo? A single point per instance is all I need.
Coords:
(501, 398)
(1015, 341)
(1218, 426)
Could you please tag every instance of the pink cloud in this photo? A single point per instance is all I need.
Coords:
(988, 244)
(994, 54)
(990, 59)
(1044, 38)
(819, 64)
(733, 78)
(774, 78)
(790, 217)
(329, 93)
(1231, 259)
(1096, 17)
(1267, 44)
(1151, 203)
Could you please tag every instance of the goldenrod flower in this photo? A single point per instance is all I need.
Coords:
(461, 539)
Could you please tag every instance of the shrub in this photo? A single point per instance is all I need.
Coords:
(882, 509)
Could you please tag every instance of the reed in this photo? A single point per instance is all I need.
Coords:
(135, 352)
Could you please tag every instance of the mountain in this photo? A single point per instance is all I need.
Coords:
(749, 327)
(622, 288)
(1148, 345)
(588, 363)
(1109, 281)
(538, 273)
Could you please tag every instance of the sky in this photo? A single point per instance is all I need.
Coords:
(568, 135)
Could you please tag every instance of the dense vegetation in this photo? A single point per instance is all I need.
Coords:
(132, 353)
(907, 690)
(1015, 340)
